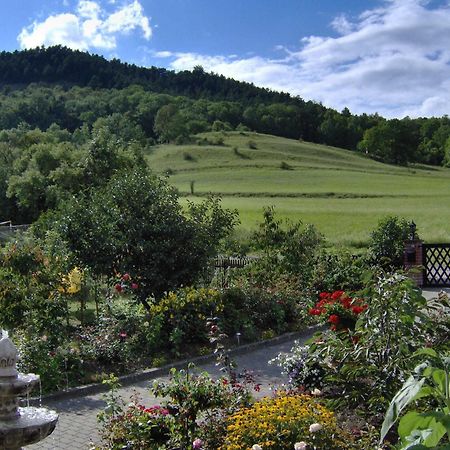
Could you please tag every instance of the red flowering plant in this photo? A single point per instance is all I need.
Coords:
(340, 310)
(124, 283)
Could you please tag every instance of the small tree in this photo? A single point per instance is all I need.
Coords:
(288, 248)
(388, 241)
(135, 224)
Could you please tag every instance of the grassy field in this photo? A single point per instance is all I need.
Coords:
(343, 193)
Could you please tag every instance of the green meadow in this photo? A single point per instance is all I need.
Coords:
(343, 193)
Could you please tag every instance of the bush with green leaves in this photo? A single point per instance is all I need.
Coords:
(29, 289)
(254, 310)
(180, 317)
(119, 339)
(58, 362)
(136, 225)
(287, 249)
(338, 270)
(387, 242)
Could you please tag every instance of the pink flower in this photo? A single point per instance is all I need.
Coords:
(123, 334)
(126, 277)
(134, 286)
(198, 443)
(118, 287)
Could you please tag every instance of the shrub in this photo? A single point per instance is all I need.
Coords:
(138, 427)
(285, 166)
(366, 366)
(181, 317)
(387, 242)
(136, 225)
(29, 295)
(288, 249)
(340, 310)
(194, 405)
(278, 423)
(252, 145)
(338, 270)
(252, 310)
(301, 367)
(188, 157)
(59, 366)
(218, 125)
(121, 338)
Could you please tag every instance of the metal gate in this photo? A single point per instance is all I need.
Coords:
(436, 265)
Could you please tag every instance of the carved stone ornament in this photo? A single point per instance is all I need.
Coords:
(8, 357)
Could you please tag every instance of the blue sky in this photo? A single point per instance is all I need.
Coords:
(385, 56)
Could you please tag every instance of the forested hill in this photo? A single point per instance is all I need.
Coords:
(62, 65)
(73, 89)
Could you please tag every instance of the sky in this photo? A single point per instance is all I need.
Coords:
(390, 57)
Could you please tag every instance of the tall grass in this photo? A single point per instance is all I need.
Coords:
(343, 193)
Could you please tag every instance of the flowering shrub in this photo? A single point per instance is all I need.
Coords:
(192, 414)
(302, 367)
(28, 289)
(139, 428)
(253, 310)
(59, 365)
(181, 316)
(281, 422)
(124, 284)
(340, 310)
(120, 337)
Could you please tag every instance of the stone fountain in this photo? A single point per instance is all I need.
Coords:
(19, 426)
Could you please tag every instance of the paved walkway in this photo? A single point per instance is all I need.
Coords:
(77, 427)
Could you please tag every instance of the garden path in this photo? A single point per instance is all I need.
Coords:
(77, 427)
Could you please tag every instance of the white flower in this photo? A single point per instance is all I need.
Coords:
(300, 446)
(256, 447)
(316, 392)
(315, 427)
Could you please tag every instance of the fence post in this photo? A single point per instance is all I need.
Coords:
(413, 260)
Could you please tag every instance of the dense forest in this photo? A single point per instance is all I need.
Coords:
(69, 120)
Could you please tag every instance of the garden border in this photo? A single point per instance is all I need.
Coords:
(149, 374)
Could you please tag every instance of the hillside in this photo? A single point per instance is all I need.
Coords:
(342, 192)
(71, 88)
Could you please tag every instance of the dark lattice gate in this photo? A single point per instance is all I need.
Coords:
(436, 265)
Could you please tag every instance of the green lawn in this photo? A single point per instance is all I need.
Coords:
(343, 193)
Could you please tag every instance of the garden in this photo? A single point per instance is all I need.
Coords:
(120, 278)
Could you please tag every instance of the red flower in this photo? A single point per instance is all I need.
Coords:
(337, 294)
(334, 318)
(358, 309)
(134, 286)
(323, 295)
(315, 312)
(126, 277)
(118, 287)
(346, 302)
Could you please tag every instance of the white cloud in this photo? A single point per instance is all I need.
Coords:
(89, 26)
(342, 25)
(394, 60)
